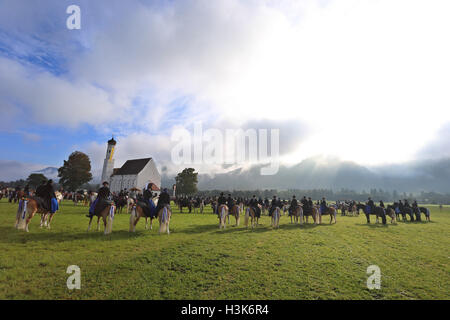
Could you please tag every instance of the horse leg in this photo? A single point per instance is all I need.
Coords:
(50, 217)
(90, 221)
(136, 221)
(30, 216)
(104, 224)
(368, 217)
(98, 223)
(146, 222)
(151, 223)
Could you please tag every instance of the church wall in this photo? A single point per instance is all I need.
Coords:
(149, 173)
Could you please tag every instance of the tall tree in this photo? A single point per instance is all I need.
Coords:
(35, 179)
(75, 172)
(187, 181)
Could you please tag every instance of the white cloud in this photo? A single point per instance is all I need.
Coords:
(370, 78)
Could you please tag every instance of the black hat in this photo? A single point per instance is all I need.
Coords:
(50, 181)
(106, 182)
(293, 196)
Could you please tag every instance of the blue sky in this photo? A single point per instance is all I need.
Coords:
(139, 69)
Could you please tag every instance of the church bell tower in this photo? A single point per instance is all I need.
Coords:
(108, 164)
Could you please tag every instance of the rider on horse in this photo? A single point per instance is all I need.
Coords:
(293, 206)
(164, 199)
(275, 203)
(103, 196)
(371, 205)
(323, 206)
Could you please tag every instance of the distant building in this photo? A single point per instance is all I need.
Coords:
(136, 173)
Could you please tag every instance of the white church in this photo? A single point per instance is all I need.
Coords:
(137, 173)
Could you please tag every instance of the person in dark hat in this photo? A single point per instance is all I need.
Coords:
(371, 205)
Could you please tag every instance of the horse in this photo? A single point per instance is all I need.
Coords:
(121, 202)
(236, 212)
(404, 212)
(378, 212)
(314, 212)
(222, 215)
(296, 214)
(107, 214)
(138, 212)
(276, 213)
(426, 212)
(390, 211)
(331, 210)
(28, 207)
(250, 214)
(164, 215)
(130, 203)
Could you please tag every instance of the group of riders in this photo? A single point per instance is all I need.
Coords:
(151, 204)
(146, 200)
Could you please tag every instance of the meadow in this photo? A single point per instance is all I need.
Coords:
(199, 261)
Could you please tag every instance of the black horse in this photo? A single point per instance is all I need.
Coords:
(405, 211)
(377, 211)
(426, 212)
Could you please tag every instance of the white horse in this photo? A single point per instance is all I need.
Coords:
(276, 217)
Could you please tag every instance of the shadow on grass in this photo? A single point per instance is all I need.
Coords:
(19, 236)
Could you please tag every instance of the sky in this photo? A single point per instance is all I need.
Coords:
(363, 81)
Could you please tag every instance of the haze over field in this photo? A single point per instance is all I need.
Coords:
(358, 88)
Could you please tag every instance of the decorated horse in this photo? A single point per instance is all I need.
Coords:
(107, 213)
(142, 210)
(377, 211)
(331, 210)
(28, 207)
(235, 211)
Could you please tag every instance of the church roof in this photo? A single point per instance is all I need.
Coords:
(132, 167)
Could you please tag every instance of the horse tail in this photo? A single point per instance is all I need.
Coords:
(22, 214)
(163, 220)
(109, 220)
(132, 218)
(247, 215)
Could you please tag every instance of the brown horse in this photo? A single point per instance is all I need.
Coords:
(298, 212)
(331, 211)
(107, 215)
(164, 215)
(235, 211)
(28, 207)
(314, 213)
(137, 212)
(222, 215)
(251, 214)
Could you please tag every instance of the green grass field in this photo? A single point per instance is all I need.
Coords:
(199, 261)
